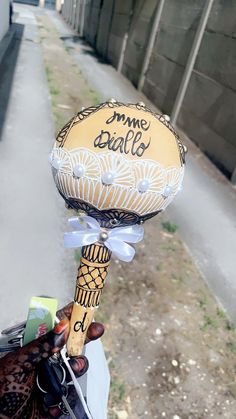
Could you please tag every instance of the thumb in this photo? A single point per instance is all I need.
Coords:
(45, 346)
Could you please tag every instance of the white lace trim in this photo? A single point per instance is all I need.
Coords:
(124, 191)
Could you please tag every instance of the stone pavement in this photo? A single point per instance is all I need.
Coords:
(32, 215)
(205, 211)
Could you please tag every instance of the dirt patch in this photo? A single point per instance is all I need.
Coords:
(171, 344)
(170, 348)
(68, 88)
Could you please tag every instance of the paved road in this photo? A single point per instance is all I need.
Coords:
(32, 215)
(206, 209)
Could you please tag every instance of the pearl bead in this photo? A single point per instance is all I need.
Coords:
(108, 178)
(143, 185)
(103, 236)
(167, 191)
(79, 170)
(167, 118)
(56, 163)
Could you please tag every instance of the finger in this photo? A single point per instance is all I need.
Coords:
(79, 365)
(42, 348)
(55, 411)
(59, 335)
(65, 312)
(95, 331)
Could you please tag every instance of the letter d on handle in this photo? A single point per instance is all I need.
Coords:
(90, 281)
(81, 318)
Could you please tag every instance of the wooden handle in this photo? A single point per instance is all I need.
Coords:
(92, 272)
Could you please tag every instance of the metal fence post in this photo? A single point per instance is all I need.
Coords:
(67, 10)
(77, 15)
(81, 32)
(122, 52)
(124, 41)
(191, 61)
(64, 9)
(154, 30)
(74, 14)
(71, 11)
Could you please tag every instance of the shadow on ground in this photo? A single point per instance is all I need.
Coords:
(86, 48)
(7, 70)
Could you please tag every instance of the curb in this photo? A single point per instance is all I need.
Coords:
(6, 41)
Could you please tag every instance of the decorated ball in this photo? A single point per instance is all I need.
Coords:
(119, 163)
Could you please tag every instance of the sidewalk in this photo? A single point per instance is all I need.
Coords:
(206, 209)
(32, 215)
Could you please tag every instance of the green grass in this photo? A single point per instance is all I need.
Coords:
(170, 246)
(101, 316)
(177, 278)
(169, 227)
(209, 322)
(220, 313)
(96, 101)
(67, 48)
(49, 73)
(231, 346)
(59, 120)
(54, 91)
(229, 325)
(77, 255)
(94, 97)
(53, 102)
(214, 322)
(117, 387)
(117, 390)
(202, 302)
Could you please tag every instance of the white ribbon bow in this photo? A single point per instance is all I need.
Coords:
(116, 240)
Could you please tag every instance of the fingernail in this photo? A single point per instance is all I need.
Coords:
(79, 364)
(60, 327)
(95, 331)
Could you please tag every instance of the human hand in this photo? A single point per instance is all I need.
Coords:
(19, 396)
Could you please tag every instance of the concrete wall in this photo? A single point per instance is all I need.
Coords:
(208, 111)
(4, 17)
(92, 15)
(138, 37)
(119, 27)
(104, 27)
(171, 50)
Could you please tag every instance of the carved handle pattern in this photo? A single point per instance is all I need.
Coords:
(91, 277)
